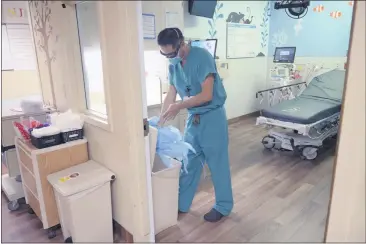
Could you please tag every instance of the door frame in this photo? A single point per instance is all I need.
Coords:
(336, 166)
(148, 160)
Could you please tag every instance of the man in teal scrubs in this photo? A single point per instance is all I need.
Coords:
(193, 75)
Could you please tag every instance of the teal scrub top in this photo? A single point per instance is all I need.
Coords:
(199, 64)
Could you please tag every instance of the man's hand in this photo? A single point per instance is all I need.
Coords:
(170, 113)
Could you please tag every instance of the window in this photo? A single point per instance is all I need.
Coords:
(155, 73)
(91, 56)
(156, 76)
(6, 59)
(17, 47)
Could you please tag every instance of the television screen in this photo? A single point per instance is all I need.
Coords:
(209, 44)
(203, 8)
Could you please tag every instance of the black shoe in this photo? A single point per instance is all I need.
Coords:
(180, 212)
(213, 216)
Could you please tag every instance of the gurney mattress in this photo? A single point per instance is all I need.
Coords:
(302, 110)
(321, 99)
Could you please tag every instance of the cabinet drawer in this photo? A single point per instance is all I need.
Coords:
(33, 202)
(28, 179)
(25, 160)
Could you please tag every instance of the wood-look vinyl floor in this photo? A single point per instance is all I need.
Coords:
(278, 198)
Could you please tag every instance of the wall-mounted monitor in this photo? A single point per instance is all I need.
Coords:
(284, 55)
(203, 8)
(209, 44)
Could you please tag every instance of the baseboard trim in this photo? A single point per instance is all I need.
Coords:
(245, 116)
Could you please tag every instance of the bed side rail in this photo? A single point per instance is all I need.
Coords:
(273, 96)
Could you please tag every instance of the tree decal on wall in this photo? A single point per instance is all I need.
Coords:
(44, 31)
(212, 22)
(265, 21)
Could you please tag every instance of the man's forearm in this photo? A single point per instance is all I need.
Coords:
(169, 99)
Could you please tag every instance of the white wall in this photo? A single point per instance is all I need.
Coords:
(19, 84)
(54, 67)
(245, 76)
(159, 8)
(155, 64)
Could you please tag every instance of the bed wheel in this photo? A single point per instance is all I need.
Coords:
(13, 205)
(309, 153)
(269, 142)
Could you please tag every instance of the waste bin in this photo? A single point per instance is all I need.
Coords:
(83, 197)
(165, 187)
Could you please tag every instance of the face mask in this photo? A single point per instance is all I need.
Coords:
(175, 61)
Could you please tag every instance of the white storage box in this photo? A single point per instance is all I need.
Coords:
(83, 197)
(165, 187)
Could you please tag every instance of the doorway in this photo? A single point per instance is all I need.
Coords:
(278, 197)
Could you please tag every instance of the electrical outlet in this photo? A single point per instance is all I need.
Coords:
(224, 66)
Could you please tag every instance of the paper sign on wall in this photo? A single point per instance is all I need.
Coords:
(171, 19)
(148, 26)
(14, 12)
(242, 41)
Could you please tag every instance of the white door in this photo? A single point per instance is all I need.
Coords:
(110, 90)
(148, 164)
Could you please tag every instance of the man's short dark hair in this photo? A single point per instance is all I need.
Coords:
(170, 36)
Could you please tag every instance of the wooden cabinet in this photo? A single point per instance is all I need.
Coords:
(36, 164)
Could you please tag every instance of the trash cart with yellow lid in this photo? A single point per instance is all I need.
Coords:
(83, 197)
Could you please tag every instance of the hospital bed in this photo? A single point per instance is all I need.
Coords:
(303, 123)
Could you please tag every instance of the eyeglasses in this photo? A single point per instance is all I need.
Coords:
(172, 54)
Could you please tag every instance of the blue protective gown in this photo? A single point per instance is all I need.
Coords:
(210, 137)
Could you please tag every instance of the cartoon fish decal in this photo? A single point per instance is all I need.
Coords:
(319, 8)
(350, 3)
(335, 14)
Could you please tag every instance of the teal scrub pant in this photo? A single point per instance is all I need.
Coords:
(210, 140)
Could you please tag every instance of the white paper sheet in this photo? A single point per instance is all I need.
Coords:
(148, 23)
(242, 41)
(171, 19)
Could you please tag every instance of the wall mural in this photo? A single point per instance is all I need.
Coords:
(298, 27)
(279, 38)
(265, 27)
(323, 32)
(212, 22)
(17, 12)
(44, 31)
(240, 18)
(235, 18)
(254, 16)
